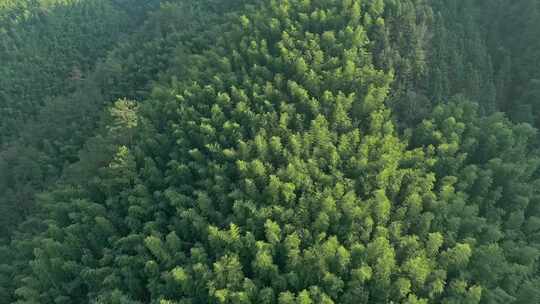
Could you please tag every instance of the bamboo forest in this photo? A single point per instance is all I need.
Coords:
(269, 151)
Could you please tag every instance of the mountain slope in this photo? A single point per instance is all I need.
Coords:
(286, 151)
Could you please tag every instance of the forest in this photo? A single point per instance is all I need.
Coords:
(269, 151)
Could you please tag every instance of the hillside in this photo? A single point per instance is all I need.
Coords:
(283, 151)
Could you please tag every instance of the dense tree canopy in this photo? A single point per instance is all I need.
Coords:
(280, 151)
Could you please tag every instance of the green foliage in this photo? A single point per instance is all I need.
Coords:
(284, 151)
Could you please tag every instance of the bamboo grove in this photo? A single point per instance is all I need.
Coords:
(269, 151)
